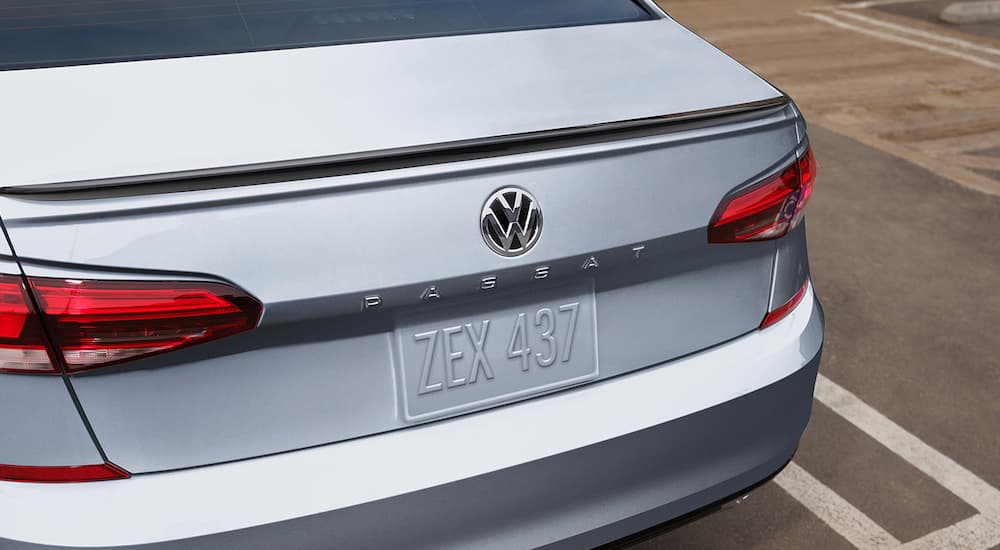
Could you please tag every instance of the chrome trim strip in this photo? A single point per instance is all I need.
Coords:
(405, 156)
(654, 8)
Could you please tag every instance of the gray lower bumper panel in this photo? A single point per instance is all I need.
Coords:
(578, 499)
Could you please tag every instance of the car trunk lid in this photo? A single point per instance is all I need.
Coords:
(624, 234)
(147, 121)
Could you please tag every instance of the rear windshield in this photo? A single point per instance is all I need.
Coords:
(44, 33)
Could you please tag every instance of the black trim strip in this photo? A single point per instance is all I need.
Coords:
(373, 161)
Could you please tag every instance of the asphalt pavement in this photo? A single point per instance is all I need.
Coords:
(904, 233)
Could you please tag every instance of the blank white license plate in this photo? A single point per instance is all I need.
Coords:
(460, 358)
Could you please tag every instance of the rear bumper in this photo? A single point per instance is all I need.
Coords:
(573, 469)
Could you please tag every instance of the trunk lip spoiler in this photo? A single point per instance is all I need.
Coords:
(370, 161)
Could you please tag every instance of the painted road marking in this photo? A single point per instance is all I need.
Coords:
(847, 17)
(873, 3)
(921, 33)
(979, 532)
(851, 523)
(951, 475)
(975, 533)
(829, 19)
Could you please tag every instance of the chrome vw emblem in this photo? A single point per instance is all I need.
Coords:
(511, 221)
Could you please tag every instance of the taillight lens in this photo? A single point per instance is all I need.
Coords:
(784, 309)
(766, 210)
(98, 323)
(23, 347)
(93, 323)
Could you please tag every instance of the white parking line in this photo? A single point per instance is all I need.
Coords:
(951, 475)
(979, 532)
(873, 3)
(859, 529)
(902, 40)
(976, 533)
(919, 32)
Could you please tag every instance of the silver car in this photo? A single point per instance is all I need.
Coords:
(415, 274)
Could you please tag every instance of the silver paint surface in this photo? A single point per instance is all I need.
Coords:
(326, 256)
(320, 367)
(249, 108)
(352, 268)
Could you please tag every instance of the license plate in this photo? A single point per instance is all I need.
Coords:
(461, 358)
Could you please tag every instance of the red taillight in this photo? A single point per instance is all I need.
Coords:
(97, 323)
(784, 309)
(62, 474)
(23, 347)
(93, 323)
(766, 210)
